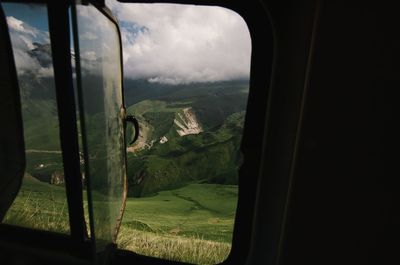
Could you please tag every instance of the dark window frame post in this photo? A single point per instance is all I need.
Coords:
(60, 45)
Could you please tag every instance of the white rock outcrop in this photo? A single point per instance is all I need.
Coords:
(163, 140)
(187, 123)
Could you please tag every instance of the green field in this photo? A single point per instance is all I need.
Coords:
(180, 224)
(40, 206)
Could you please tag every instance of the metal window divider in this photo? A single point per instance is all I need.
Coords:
(59, 29)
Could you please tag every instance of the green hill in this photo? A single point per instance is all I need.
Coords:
(189, 133)
(209, 154)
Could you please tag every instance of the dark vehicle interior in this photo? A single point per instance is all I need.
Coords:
(317, 183)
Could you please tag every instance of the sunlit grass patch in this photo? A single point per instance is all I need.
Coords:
(39, 206)
(191, 224)
(172, 247)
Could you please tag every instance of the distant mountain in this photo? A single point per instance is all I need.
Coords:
(141, 89)
(212, 102)
(32, 84)
(40, 118)
(188, 133)
(42, 53)
(39, 108)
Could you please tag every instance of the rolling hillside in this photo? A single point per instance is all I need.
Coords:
(190, 134)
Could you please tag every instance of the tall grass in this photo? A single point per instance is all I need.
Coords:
(171, 225)
(39, 211)
(172, 247)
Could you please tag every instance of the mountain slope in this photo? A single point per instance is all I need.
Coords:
(188, 135)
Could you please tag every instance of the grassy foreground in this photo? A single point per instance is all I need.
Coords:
(39, 206)
(172, 247)
(191, 224)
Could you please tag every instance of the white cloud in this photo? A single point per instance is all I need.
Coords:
(169, 43)
(25, 29)
(163, 43)
(88, 36)
(23, 36)
(89, 55)
(45, 71)
(20, 26)
(98, 47)
(14, 23)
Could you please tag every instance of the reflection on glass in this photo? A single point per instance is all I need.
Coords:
(102, 105)
(41, 202)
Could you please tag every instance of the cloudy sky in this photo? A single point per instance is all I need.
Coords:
(162, 43)
(27, 24)
(181, 44)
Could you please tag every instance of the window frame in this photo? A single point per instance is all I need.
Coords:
(107, 13)
(76, 244)
(262, 36)
(260, 26)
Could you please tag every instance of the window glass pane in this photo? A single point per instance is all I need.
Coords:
(79, 128)
(99, 51)
(41, 202)
(186, 71)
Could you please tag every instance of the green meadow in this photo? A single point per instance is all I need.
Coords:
(180, 224)
(40, 206)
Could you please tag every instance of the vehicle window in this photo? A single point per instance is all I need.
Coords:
(186, 79)
(41, 202)
(102, 120)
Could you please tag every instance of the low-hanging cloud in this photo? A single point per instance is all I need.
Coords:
(25, 38)
(174, 44)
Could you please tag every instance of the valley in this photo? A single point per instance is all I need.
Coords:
(191, 134)
(182, 171)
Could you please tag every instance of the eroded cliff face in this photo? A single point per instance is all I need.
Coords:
(187, 122)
